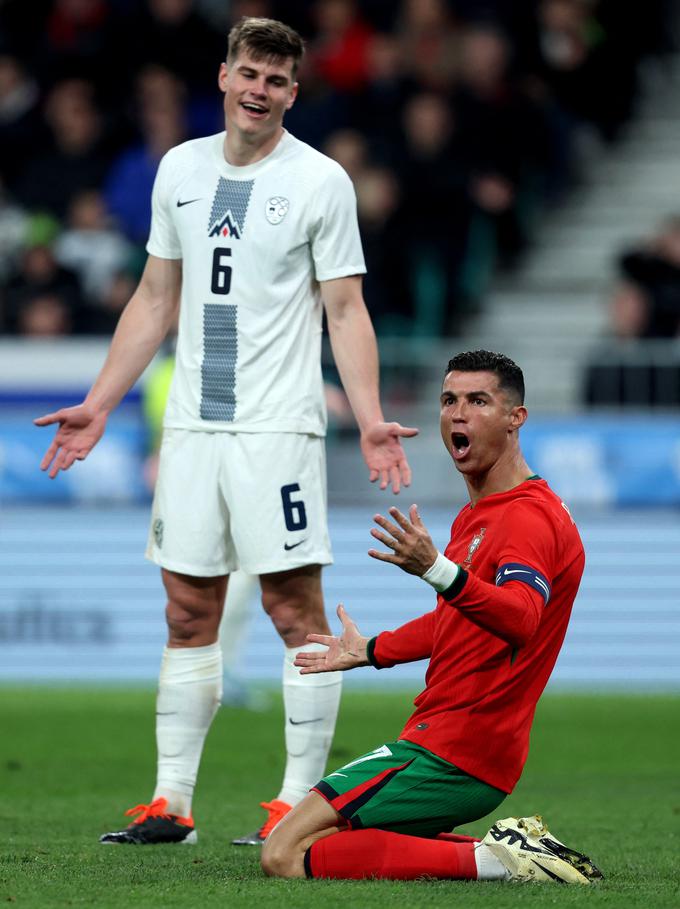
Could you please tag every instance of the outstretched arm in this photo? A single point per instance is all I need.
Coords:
(512, 612)
(409, 642)
(142, 326)
(356, 356)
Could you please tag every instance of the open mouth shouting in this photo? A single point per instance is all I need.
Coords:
(460, 445)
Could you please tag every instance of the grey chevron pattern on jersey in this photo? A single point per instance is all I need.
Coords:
(231, 199)
(218, 371)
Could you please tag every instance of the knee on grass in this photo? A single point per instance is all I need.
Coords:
(280, 859)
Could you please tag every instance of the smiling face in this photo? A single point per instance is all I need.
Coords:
(479, 421)
(257, 93)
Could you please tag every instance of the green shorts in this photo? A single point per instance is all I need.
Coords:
(405, 788)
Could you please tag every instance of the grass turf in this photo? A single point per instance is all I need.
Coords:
(603, 770)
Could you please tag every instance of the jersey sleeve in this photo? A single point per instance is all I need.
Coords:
(335, 241)
(530, 547)
(511, 608)
(513, 614)
(410, 642)
(163, 239)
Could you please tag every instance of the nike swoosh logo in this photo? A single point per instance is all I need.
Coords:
(515, 571)
(289, 546)
(550, 873)
(302, 722)
(187, 202)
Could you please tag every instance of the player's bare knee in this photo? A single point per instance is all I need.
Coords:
(290, 622)
(194, 607)
(181, 625)
(278, 859)
(294, 602)
(294, 618)
(188, 624)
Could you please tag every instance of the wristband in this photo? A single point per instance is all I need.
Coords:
(442, 573)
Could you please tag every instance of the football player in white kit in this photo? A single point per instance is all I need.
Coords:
(253, 234)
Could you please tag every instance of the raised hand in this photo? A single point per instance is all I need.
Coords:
(346, 652)
(384, 455)
(412, 549)
(80, 428)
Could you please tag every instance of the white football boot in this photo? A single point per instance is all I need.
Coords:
(530, 852)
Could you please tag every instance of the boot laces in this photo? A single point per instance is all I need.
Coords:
(277, 810)
(157, 808)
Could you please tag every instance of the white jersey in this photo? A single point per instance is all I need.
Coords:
(254, 243)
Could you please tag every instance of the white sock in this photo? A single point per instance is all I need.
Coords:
(189, 693)
(311, 707)
(489, 868)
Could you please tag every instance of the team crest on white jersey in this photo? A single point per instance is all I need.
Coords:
(158, 532)
(474, 545)
(276, 209)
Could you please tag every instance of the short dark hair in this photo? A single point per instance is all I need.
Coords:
(510, 377)
(266, 39)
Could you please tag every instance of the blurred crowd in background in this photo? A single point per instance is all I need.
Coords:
(459, 123)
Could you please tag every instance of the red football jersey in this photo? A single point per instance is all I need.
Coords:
(495, 635)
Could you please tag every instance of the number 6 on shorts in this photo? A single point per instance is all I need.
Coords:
(293, 511)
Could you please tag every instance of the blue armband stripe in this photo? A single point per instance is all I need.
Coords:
(514, 571)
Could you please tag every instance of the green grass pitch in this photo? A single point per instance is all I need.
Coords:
(604, 770)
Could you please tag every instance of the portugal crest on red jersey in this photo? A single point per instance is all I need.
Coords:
(474, 545)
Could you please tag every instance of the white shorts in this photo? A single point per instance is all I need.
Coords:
(255, 501)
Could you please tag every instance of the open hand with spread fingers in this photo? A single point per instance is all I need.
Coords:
(384, 455)
(80, 428)
(408, 538)
(346, 652)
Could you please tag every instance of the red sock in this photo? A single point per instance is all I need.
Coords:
(375, 853)
(457, 838)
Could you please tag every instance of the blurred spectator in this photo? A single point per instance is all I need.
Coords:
(21, 127)
(223, 16)
(77, 156)
(40, 295)
(645, 308)
(340, 49)
(456, 119)
(646, 303)
(44, 315)
(486, 110)
(503, 134)
(13, 226)
(349, 148)
(428, 37)
(77, 40)
(435, 211)
(377, 109)
(161, 110)
(387, 289)
(589, 74)
(386, 283)
(172, 34)
(118, 295)
(319, 109)
(92, 247)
